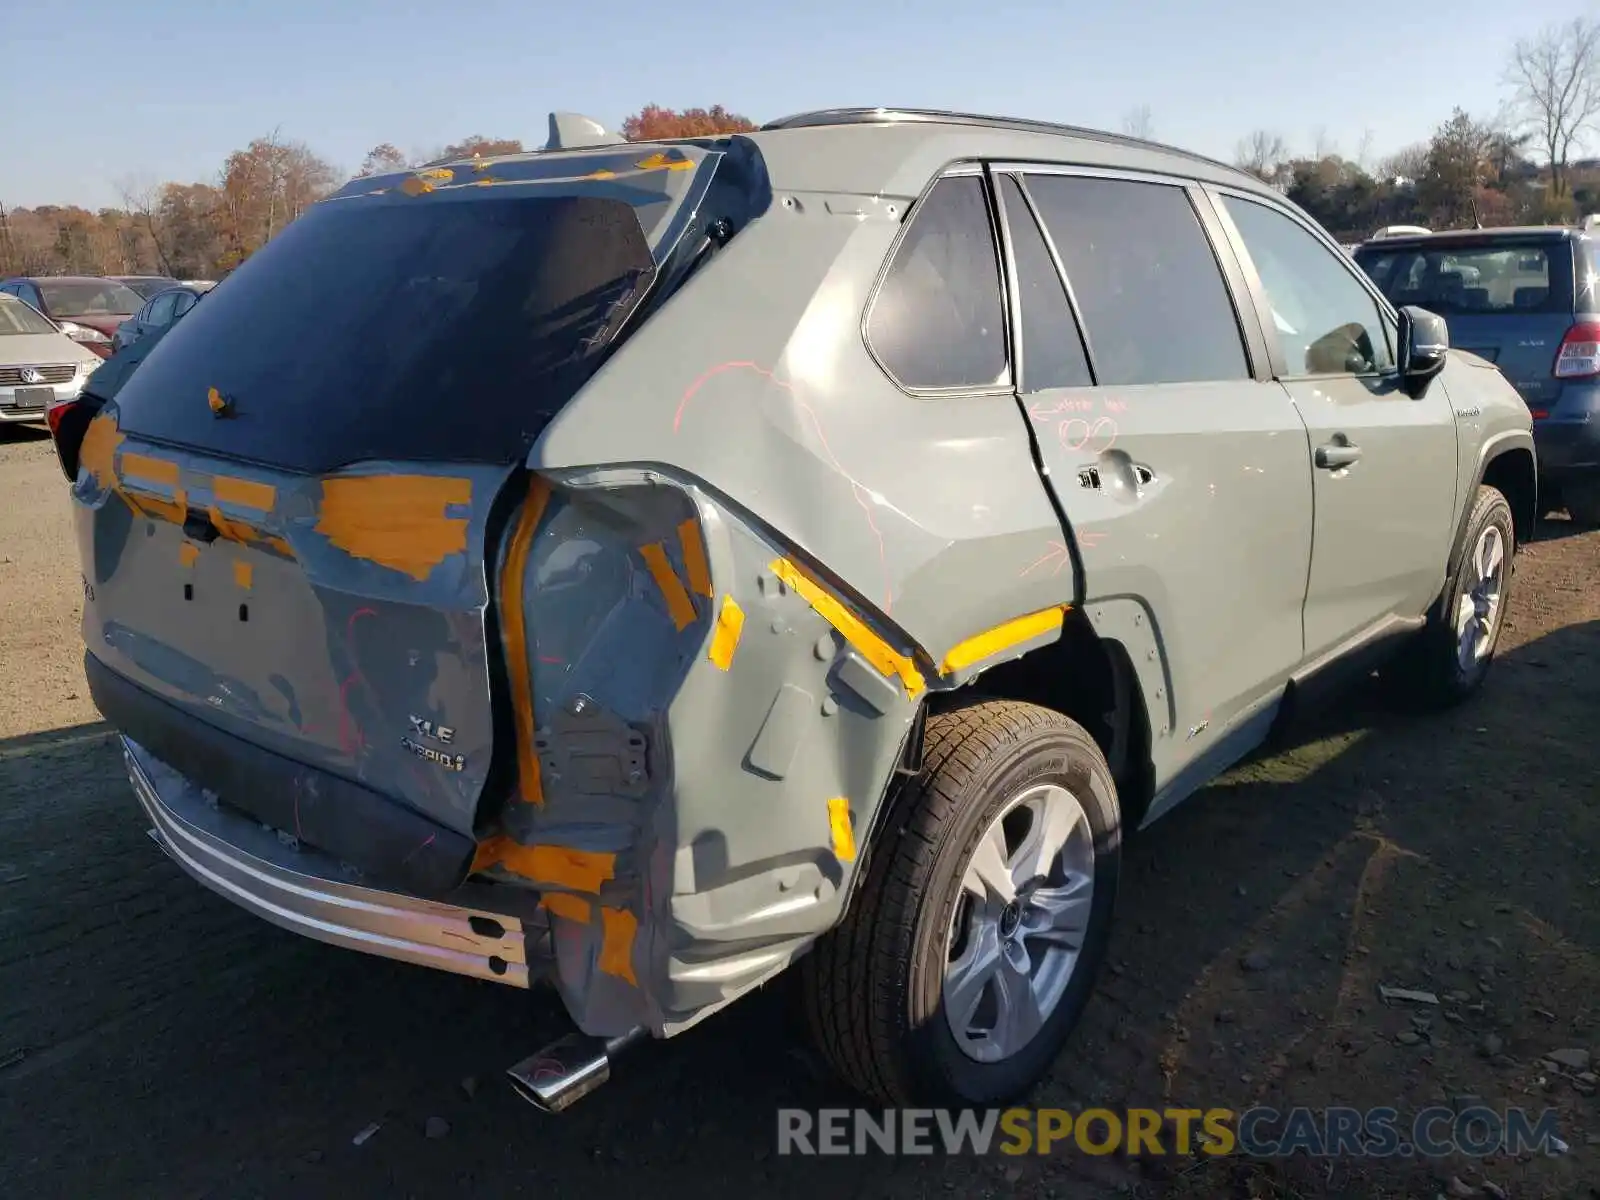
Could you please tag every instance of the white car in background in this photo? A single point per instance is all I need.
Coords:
(39, 365)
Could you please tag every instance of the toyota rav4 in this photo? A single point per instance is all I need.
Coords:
(653, 566)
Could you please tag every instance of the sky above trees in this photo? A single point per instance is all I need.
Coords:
(179, 85)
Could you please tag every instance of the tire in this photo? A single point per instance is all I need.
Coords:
(1435, 672)
(1583, 501)
(874, 987)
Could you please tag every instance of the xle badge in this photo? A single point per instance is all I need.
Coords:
(437, 733)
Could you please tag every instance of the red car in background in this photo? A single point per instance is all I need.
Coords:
(89, 308)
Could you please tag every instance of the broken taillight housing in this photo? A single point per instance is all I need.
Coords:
(69, 421)
(1579, 356)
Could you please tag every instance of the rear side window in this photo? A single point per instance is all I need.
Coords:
(1496, 277)
(1326, 322)
(1052, 349)
(399, 329)
(937, 321)
(1154, 303)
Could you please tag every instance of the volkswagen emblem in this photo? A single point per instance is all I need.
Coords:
(32, 375)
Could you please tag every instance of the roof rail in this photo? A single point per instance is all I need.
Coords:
(935, 116)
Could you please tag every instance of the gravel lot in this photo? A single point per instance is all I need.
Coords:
(155, 1041)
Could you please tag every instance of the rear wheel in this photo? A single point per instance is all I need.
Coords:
(1451, 657)
(968, 955)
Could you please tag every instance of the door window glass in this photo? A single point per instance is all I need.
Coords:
(1152, 296)
(1326, 323)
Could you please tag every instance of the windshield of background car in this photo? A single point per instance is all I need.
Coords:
(17, 317)
(88, 298)
(1492, 277)
(423, 322)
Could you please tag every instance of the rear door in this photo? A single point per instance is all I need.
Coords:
(1385, 464)
(1181, 467)
(287, 514)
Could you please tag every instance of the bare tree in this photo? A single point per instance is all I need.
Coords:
(1364, 151)
(1136, 122)
(1409, 162)
(1323, 145)
(141, 196)
(1263, 154)
(1555, 77)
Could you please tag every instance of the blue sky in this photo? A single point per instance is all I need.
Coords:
(165, 89)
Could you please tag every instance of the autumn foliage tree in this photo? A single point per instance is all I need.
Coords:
(652, 122)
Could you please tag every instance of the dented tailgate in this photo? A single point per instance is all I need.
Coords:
(287, 515)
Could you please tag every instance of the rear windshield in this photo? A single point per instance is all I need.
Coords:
(88, 298)
(17, 317)
(1493, 277)
(388, 327)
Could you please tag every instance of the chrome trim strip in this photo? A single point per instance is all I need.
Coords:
(386, 924)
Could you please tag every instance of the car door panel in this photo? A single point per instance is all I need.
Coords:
(1192, 495)
(1384, 464)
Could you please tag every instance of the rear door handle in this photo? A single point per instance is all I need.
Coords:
(1334, 455)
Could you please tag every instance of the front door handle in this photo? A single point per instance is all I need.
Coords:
(1335, 455)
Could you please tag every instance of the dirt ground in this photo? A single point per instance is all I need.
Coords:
(156, 1041)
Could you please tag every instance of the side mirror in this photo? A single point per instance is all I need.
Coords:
(1424, 345)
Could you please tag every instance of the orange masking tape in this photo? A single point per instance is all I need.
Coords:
(725, 637)
(840, 830)
(1003, 637)
(679, 607)
(561, 866)
(530, 786)
(564, 904)
(397, 521)
(243, 573)
(616, 949)
(694, 557)
(888, 660)
(244, 493)
(188, 554)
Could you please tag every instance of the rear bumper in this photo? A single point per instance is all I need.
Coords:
(388, 842)
(1567, 447)
(310, 894)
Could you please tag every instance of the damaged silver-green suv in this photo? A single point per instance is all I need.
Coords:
(649, 567)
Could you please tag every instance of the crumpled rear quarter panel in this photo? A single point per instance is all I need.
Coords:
(708, 749)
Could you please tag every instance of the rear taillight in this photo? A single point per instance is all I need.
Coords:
(1579, 356)
(69, 421)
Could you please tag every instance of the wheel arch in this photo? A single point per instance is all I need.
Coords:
(1091, 679)
(1512, 470)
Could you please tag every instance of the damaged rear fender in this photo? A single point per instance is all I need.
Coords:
(712, 727)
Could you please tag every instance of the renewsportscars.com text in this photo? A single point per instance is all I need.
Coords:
(1253, 1132)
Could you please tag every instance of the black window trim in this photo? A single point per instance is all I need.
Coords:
(960, 168)
(1247, 317)
(1389, 317)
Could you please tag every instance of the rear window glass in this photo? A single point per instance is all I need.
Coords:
(1488, 278)
(89, 298)
(425, 330)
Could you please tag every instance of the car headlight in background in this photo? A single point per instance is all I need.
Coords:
(81, 333)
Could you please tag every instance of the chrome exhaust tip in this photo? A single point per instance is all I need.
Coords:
(568, 1069)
